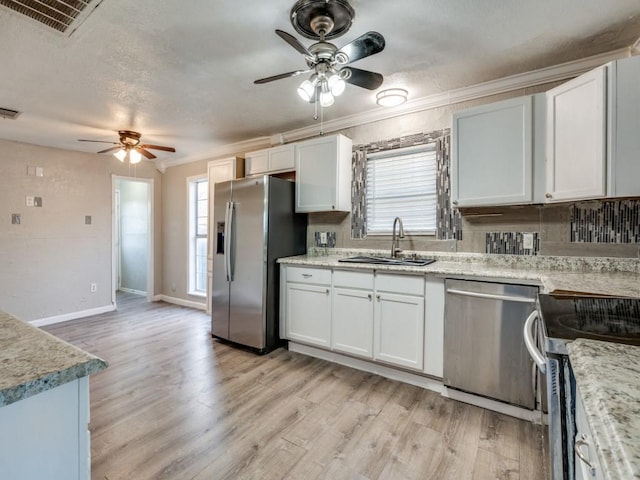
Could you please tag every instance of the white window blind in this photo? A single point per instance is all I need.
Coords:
(402, 183)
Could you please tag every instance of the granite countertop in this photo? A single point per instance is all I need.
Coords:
(32, 361)
(592, 275)
(608, 375)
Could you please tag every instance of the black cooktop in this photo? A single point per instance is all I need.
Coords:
(609, 319)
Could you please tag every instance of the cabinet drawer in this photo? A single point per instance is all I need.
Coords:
(404, 284)
(316, 276)
(347, 279)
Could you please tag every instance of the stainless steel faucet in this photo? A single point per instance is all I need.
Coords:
(395, 241)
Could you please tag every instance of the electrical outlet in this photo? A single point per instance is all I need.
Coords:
(527, 241)
(29, 201)
(94, 287)
(323, 238)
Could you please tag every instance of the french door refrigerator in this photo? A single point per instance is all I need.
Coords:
(254, 224)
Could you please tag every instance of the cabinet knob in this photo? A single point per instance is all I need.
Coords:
(378, 297)
(328, 291)
(548, 195)
(455, 202)
(369, 297)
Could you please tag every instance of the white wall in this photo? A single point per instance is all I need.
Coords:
(48, 262)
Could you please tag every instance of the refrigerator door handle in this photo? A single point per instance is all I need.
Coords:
(228, 219)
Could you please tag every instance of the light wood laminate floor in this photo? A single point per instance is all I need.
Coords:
(174, 404)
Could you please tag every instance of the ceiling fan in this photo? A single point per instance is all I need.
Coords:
(326, 19)
(130, 147)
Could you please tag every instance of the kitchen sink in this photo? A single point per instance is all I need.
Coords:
(375, 260)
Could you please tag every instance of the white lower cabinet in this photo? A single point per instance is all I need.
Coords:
(587, 465)
(381, 317)
(352, 313)
(398, 321)
(308, 306)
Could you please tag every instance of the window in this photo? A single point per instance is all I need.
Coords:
(198, 228)
(402, 183)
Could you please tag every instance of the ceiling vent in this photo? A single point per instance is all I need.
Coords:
(56, 14)
(7, 113)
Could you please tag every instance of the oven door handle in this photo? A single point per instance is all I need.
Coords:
(531, 344)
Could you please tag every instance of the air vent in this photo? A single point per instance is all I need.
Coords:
(55, 14)
(7, 113)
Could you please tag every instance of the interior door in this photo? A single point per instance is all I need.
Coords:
(248, 263)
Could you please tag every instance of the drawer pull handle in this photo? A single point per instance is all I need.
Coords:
(582, 442)
(306, 275)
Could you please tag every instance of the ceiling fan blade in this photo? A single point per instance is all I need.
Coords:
(361, 78)
(293, 41)
(282, 75)
(157, 147)
(98, 141)
(365, 45)
(146, 153)
(109, 150)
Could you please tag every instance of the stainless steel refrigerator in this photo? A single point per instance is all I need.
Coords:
(254, 224)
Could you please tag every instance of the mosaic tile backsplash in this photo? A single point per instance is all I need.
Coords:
(448, 221)
(615, 221)
(511, 243)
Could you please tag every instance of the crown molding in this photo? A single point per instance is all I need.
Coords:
(563, 71)
(534, 78)
(218, 152)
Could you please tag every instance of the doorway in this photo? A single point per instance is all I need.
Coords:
(132, 236)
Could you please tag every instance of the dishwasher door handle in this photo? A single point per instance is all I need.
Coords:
(491, 296)
(531, 344)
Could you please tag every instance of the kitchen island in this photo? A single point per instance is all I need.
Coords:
(44, 404)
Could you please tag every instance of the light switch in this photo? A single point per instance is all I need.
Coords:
(87, 219)
(15, 218)
(37, 201)
(39, 172)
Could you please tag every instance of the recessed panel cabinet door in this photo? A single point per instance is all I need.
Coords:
(492, 152)
(576, 138)
(399, 329)
(308, 313)
(352, 322)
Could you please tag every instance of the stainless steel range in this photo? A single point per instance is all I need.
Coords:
(559, 320)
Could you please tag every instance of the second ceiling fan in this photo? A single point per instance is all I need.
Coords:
(322, 20)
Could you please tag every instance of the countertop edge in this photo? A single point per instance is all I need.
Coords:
(51, 380)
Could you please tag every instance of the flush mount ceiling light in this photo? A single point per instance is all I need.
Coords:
(323, 19)
(391, 97)
(129, 147)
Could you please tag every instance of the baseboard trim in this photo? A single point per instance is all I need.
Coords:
(134, 292)
(72, 316)
(180, 301)
(421, 381)
(382, 370)
(532, 416)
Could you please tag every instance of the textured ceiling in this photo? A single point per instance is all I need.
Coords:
(182, 72)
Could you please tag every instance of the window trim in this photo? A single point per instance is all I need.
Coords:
(431, 146)
(192, 234)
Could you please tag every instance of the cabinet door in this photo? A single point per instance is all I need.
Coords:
(399, 329)
(492, 154)
(323, 174)
(576, 133)
(282, 158)
(257, 162)
(352, 322)
(308, 314)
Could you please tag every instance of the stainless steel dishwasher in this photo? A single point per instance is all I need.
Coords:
(484, 352)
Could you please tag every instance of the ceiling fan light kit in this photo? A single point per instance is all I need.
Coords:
(321, 20)
(129, 147)
(391, 97)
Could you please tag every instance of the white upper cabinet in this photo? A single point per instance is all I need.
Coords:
(271, 160)
(623, 167)
(593, 147)
(493, 152)
(576, 138)
(323, 174)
